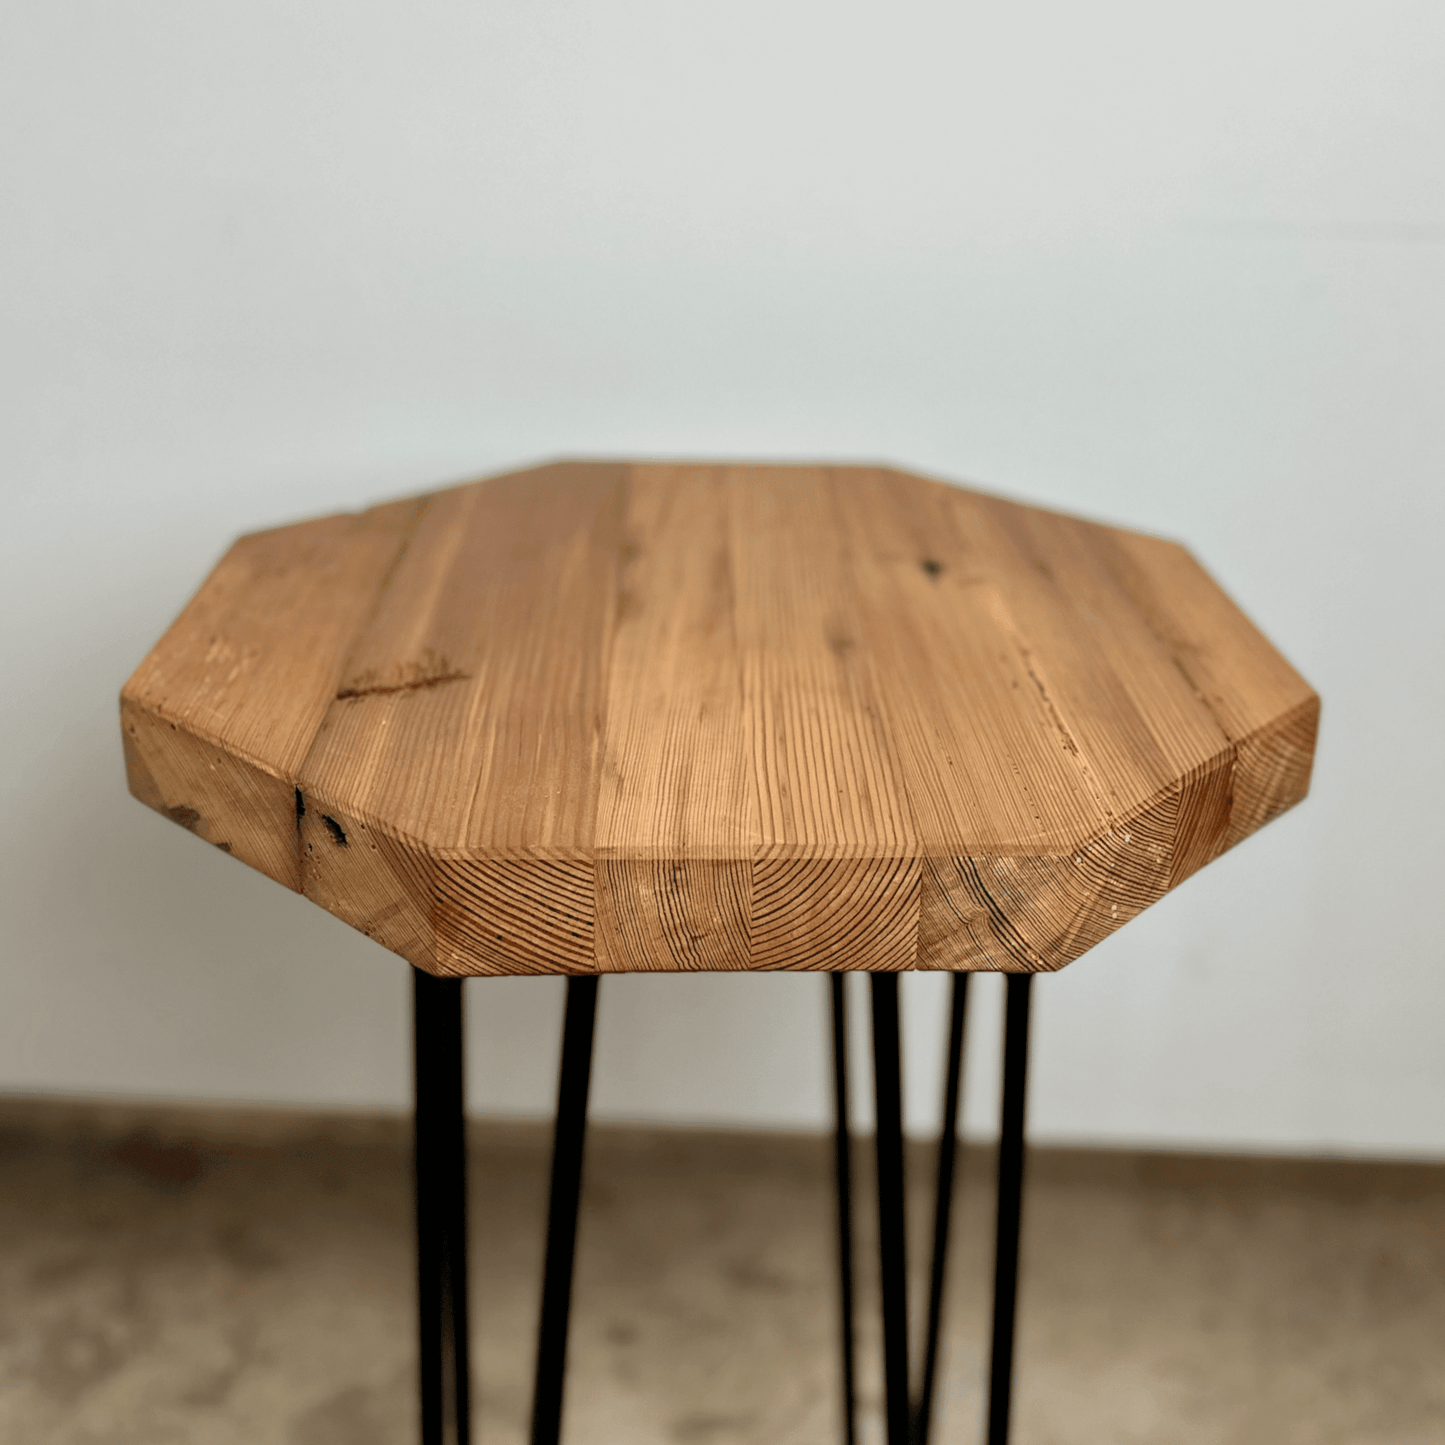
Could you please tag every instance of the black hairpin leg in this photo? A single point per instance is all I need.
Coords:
(440, 1161)
(568, 1144)
(888, 1092)
(843, 1172)
(942, 1207)
(1010, 1203)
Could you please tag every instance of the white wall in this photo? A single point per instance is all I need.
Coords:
(1179, 267)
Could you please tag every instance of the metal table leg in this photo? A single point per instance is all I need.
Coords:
(892, 1257)
(440, 1162)
(1010, 1205)
(568, 1145)
(942, 1208)
(843, 1175)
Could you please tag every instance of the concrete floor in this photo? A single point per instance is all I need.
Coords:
(216, 1277)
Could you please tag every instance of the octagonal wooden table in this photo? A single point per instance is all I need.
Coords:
(610, 717)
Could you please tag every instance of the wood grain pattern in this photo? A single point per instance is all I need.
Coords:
(615, 716)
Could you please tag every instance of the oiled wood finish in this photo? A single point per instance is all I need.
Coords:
(622, 716)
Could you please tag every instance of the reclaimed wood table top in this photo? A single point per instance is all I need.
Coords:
(615, 716)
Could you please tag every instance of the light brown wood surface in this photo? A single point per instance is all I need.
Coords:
(663, 717)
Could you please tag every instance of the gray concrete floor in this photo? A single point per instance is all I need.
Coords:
(212, 1276)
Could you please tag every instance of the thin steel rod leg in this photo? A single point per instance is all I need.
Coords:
(1010, 1205)
(843, 1171)
(568, 1144)
(440, 1163)
(888, 1092)
(942, 1207)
